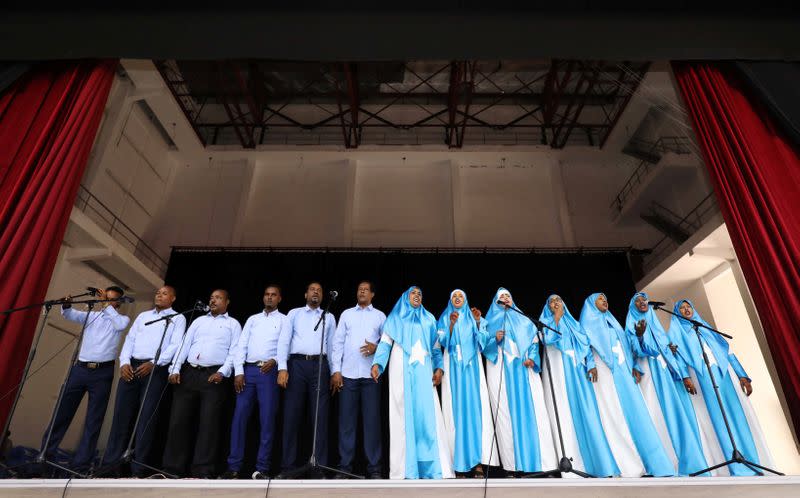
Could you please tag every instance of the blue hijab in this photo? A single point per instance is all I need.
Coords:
(465, 330)
(516, 326)
(655, 336)
(682, 334)
(407, 324)
(572, 338)
(595, 323)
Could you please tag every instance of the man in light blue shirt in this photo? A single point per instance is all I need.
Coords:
(200, 373)
(354, 346)
(299, 374)
(255, 365)
(93, 373)
(140, 358)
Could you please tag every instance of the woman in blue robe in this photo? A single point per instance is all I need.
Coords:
(524, 433)
(666, 386)
(635, 444)
(418, 446)
(571, 366)
(734, 389)
(465, 399)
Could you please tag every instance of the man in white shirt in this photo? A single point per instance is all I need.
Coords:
(140, 357)
(200, 372)
(299, 375)
(255, 366)
(93, 374)
(354, 346)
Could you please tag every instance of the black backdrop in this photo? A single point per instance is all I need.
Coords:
(531, 276)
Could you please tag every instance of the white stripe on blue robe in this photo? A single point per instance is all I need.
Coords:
(465, 399)
(744, 424)
(636, 445)
(524, 433)
(570, 359)
(662, 386)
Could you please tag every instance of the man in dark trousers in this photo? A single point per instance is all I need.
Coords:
(201, 374)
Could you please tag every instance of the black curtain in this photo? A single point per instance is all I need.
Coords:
(777, 86)
(531, 277)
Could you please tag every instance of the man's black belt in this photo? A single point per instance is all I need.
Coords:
(307, 357)
(94, 365)
(205, 369)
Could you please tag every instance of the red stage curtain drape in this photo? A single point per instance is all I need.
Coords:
(48, 121)
(756, 175)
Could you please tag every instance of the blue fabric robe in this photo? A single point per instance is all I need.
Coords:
(414, 330)
(689, 349)
(668, 372)
(577, 358)
(611, 343)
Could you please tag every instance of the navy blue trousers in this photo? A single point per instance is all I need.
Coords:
(81, 380)
(129, 395)
(360, 396)
(262, 389)
(299, 403)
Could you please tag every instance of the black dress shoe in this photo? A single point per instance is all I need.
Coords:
(229, 474)
(375, 475)
(259, 475)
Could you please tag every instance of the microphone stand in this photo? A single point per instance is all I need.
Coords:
(564, 462)
(312, 461)
(128, 456)
(48, 305)
(736, 455)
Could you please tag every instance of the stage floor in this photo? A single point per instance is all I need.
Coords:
(717, 487)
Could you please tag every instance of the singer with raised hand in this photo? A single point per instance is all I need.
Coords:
(137, 362)
(200, 373)
(666, 386)
(465, 399)
(734, 389)
(298, 376)
(572, 372)
(635, 443)
(354, 346)
(524, 434)
(409, 345)
(255, 366)
(93, 373)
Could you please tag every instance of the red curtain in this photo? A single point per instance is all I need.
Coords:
(48, 122)
(756, 175)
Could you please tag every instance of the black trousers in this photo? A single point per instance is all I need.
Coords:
(194, 425)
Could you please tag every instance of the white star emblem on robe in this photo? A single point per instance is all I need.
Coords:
(512, 351)
(712, 360)
(458, 352)
(571, 354)
(418, 354)
(617, 349)
(662, 361)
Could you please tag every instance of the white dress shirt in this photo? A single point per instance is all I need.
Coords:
(142, 340)
(356, 325)
(210, 341)
(102, 333)
(259, 339)
(303, 339)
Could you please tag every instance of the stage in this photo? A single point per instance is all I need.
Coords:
(738, 487)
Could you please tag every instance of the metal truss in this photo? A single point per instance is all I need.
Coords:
(460, 98)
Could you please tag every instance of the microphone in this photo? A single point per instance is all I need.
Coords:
(201, 306)
(501, 303)
(93, 291)
(655, 303)
(334, 294)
